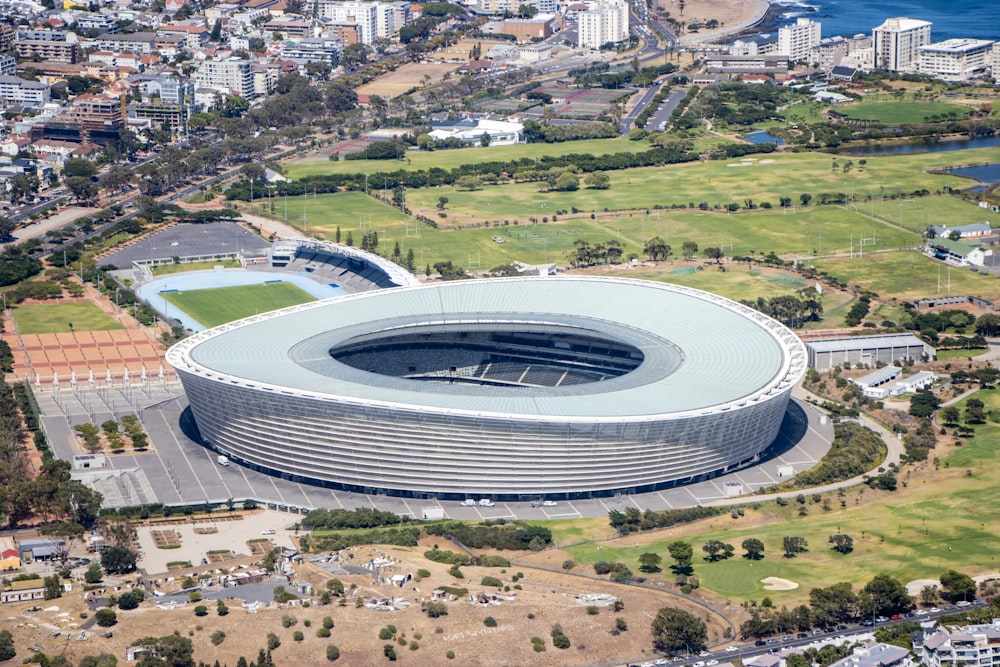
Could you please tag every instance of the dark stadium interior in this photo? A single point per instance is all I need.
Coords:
(510, 357)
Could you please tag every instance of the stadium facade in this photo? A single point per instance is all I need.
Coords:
(511, 389)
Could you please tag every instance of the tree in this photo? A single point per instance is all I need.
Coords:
(805, 198)
(128, 600)
(675, 630)
(118, 560)
(469, 183)
(106, 617)
(485, 139)
(442, 202)
(957, 586)
(656, 248)
(793, 545)
(717, 549)
(683, 555)
(82, 188)
(597, 180)
(7, 226)
(923, 403)
(842, 543)
(714, 253)
(354, 54)
(216, 34)
(988, 325)
(53, 587)
(950, 414)
(688, 249)
(79, 166)
(7, 650)
(754, 548)
(93, 574)
(929, 594)
(650, 562)
(437, 609)
(332, 653)
(888, 596)
(567, 182)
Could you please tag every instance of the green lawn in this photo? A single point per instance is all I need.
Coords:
(322, 214)
(212, 307)
(446, 159)
(167, 269)
(901, 112)
(909, 275)
(56, 318)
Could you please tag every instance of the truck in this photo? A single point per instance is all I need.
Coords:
(223, 460)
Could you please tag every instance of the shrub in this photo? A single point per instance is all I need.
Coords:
(272, 641)
(385, 633)
(322, 632)
(437, 609)
(490, 622)
(568, 564)
(307, 623)
(288, 621)
(106, 618)
(332, 653)
(218, 637)
(455, 572)
(593, 610)
(194, 596)
(221, 609)
(414, 646)
(492, 581)
(327, 622)
(200, 610)
(423, 574)
(390, 652)
(538, 644)
(450, 655)
(298, 636)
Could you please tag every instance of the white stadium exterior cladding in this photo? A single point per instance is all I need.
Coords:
(426, 390)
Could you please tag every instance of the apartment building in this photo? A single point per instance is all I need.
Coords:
(960, 645)
(956, 59)
(136, 42)
(797, 40)
(896, 43)
(14, 90)
(604, 22)
(52, 46)
(233, 74)
(362, 14)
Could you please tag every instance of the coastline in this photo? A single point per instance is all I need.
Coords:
(762, 8)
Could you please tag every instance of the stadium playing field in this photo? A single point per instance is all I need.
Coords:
(46, 318)
(212, 307)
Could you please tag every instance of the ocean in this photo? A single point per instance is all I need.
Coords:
(959, 18)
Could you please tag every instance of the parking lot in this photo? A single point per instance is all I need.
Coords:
(177, 470)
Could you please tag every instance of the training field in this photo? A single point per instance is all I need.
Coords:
(320, 215)
(405, 77)
(44, 318)
(212, 307)
(446, 159)
(901, 112)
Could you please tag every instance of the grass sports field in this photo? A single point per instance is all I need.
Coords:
(212, 307)
(891, 112)
(47, 318)
(322, 214)
(321, 164)
(909, 275)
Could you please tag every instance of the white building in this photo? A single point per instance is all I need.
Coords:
(364, 14)
(606, 21)
(797, 41)
(964, 645)
(956, 59)
(897, 43)
(471, 130)
(234, 74)
(874, 654)
(21, 91)
(995, 60)
(312, 50)
(391, 17)
(493, 6)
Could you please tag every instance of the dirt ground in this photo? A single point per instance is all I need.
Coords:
(407, 76)
(546, 599)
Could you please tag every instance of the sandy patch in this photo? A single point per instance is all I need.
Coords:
(914, 587)
(778, 584)
(767, 161)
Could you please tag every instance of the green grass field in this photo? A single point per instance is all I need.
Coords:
(901, 112)
(212, 307)
(321, 164)
(321, 215)
(47, 318)
(908, 275)
(167, 269)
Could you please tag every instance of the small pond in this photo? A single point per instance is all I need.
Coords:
(762, 137)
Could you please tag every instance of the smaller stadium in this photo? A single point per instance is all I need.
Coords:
(512, 389)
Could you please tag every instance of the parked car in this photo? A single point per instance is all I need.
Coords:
(468, 502)
(759, 642)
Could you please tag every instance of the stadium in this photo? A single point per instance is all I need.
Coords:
(511, 389)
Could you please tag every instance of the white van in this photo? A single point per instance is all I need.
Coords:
(468, 502)
(223, 460)
(485, 502)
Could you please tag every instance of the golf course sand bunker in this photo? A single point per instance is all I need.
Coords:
(778, 584)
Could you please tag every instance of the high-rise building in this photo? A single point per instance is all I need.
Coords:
(956, 59)
(234, 74)
(797, 40)
(606, 21)
(896, 43)
(362, 14)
